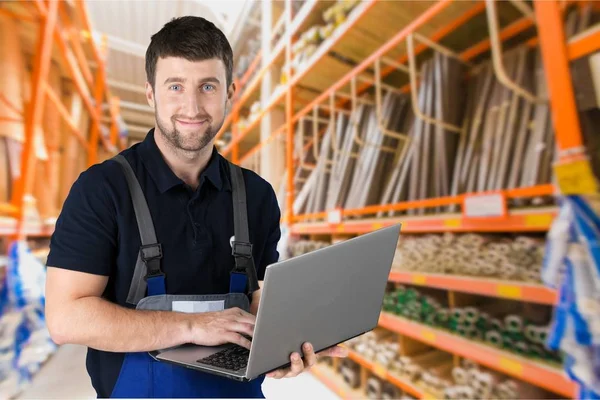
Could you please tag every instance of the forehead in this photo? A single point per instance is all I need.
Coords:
(176, 66)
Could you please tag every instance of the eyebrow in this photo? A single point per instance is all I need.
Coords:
(179, 79)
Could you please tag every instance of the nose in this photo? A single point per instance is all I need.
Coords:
(192, 104)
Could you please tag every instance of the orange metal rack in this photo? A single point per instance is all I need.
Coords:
(55, 29)
(573, 175)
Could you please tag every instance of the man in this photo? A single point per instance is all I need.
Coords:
(188, 189)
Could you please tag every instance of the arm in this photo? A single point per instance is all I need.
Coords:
(77, 314)
(82, 257)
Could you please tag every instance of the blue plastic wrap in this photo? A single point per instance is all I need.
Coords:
(572, 265)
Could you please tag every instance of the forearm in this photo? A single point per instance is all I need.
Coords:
(99, 324)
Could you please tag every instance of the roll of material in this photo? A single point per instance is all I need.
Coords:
(522, 348)
(495, 338)
(471, 314)
(513, 323)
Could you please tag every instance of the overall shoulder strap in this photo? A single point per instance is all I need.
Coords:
(148, 273)
(241, 246)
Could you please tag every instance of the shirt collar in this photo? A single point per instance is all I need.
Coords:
(165, 178)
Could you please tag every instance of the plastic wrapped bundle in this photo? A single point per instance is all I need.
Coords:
(572, 265)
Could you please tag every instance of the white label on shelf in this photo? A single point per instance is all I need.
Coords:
(334, 216)
(485, 205)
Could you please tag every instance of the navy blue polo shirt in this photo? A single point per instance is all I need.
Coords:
(97, 233)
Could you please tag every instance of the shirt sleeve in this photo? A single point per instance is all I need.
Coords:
(85, 236)
(270, 253)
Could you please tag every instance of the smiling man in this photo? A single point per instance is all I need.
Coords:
(106, 256)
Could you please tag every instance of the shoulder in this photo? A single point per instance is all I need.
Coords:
(256, 185)
(105, 179)
(259, 191)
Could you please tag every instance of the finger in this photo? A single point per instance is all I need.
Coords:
(310, 358)
(297, 366)
(278, 374)
(336, 351)
(238, 339)
(240, 327)
(243, 316)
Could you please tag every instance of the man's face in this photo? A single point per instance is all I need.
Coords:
(190, 100)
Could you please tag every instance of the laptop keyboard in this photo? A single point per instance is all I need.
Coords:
(233, 358)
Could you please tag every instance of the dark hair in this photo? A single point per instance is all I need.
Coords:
(192, 38)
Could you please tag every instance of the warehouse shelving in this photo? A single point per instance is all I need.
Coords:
(335, 383)
(547, 377)
(385, 375)
(540, 25)
(63, 33)
(534, 293)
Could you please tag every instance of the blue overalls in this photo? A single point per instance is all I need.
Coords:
(141, 374)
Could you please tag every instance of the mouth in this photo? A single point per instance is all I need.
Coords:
(192, 123)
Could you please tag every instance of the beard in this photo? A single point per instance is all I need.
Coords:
(192, 141)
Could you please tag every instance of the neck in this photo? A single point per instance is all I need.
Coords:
(187, 165)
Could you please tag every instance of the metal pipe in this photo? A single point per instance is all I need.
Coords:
(524, 8)
(413, 87)
(439, 48)
(501, 74)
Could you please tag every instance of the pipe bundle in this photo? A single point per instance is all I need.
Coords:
(491, 323)
(504, 257)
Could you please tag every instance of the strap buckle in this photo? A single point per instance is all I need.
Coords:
(241, 249)
(151, 252)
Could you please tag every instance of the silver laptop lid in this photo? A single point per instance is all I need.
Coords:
(324, 297)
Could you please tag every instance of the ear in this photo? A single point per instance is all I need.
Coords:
(230, 93)
(150, 95)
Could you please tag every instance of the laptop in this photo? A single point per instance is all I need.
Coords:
(325, 297)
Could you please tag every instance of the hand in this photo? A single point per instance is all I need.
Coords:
(310, 359)
(221, 327)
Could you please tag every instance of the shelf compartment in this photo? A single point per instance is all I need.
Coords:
(529, 371)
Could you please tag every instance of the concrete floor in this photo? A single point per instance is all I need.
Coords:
(64, 377)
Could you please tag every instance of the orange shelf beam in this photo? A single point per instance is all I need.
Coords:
(531, 293)
(382, 373)
(534, 221)
(532, 191)
(585, 44)
(529, 371)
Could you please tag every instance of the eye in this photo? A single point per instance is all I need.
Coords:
(208, 87)
(175, 87)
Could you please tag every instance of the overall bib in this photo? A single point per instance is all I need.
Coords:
(141, 374)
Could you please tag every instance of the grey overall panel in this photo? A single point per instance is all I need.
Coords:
(325, 297)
